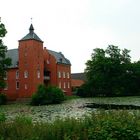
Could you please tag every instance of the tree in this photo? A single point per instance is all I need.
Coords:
(47, 95)
(108, 72)
(4, 62)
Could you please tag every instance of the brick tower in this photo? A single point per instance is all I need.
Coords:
(31, 63)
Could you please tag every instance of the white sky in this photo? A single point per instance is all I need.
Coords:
(75, 27)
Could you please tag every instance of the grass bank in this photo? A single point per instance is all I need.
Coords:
(102, 125)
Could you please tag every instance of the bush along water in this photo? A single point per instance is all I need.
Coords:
(3, 99)
(49, 95)
(102, 125)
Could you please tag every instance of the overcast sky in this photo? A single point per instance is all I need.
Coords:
(75, 27)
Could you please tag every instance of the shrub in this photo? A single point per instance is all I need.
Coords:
(49, 95)
(2, 117)
(3, 99)
(40, 97)
(54, 95)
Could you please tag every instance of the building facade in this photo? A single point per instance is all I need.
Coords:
(33, 64)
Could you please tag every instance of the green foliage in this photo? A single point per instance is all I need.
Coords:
(3, 99)
(111, 73)
(49, 95)
(40, 97)
(71, 97)
(23, 120)
(102, 125)
(84, 91)
(4, 62)
(2, 117)
(54, 95)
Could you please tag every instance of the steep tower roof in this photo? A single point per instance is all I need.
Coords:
(31, 35)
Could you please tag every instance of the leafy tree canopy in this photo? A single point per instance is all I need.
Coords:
(111, 73)
(4, 62)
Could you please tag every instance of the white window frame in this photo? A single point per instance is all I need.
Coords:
(68, 75)
(38, 74)
(59, 74)
(48, 62)
(25, 86)
(59, 84)
(17, 74)
(26, 74)
(64, 74)
(68, 84)
(64, 85)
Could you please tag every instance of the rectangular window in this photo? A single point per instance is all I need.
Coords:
(59, 84)
(64, 76)
(68, 85)
(38, 74)
(17, 85)
(59, 74)
(26, 86)
(17, 74)
(68, 75)
(64, 85)
(26, 74)
(48, 62)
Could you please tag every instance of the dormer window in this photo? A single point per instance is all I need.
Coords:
(60, 59)
(17, 63)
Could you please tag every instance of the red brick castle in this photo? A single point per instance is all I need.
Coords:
(33, 65)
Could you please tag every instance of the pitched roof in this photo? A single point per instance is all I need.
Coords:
(31, 35)
(78, 76)
(60, 58)
(13, 54)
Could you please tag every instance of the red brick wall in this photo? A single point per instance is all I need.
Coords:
(51, 66)
(30, 60)
(11, 91)
(65, 78)
(54, 68)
